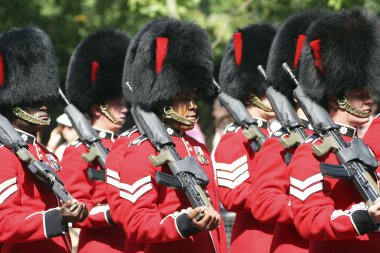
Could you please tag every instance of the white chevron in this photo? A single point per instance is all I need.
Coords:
(302, 195)
(113, 182)
(113, 174)
(232, 175)
(307, 182)
(231, 167)
(8, 192)
(233, 184)
(137, 194)
(132, 188)
(7, 183)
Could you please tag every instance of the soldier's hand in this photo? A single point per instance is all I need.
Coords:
(374, 211)
(210, 220)
(73, 211)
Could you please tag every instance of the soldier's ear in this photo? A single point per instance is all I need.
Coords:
(95, 111)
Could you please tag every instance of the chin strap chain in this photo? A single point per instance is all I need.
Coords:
(169, 113)
(20, 113)
(258, 103)
(345, 105)
(106, 112)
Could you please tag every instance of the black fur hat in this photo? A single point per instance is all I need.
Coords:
(167, 57)
(96, 69)
(28, 67)
(287, 47)
(248, 48)
(342, 52)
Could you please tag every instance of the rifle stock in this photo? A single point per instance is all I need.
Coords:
(89, 137)
(188, 176)
(285, 114)
(241, 116)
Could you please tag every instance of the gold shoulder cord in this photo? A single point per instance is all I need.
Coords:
(108, 114)
(258, 103)
(169, 113)
(29, 118)
(345, 105)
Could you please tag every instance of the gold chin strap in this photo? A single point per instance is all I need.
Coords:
(169, 113)
(345, 105)
(109, 115)
(258, 103)
(29, 118)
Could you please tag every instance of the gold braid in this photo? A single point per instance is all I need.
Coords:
(169, 113)
(29, 118)
(345, 105)
(258, 103)
(106, 112)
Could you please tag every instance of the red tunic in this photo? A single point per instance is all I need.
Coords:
(97, 233)
(233, 161)
(372, 136)
(153, 215)
(29, 211)
(270, 194)
(328, 211)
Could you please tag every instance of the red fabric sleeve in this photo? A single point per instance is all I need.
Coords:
(270, 191)
(137, 207)
(232, 160)
(312, 203)
(18, 223)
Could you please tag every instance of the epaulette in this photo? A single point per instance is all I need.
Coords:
(279, 133)
(129, 132)
(312, 138)
(138, 141)
(233, 127)
(76, 143)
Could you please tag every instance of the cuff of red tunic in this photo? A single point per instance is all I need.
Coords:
(362, 221)
(109, 218)
(53, 225)
(184, 226)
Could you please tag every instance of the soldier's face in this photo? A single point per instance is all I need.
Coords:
(117, 108)
(38, 110)
(185, 105)
(361, 99)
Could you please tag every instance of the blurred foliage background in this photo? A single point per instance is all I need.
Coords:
(69, 21)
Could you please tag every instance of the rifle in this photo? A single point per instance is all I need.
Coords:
(356, 159)
(187, 176)
(286, 115)
(241, 116)
(89, 137)
(13, 141)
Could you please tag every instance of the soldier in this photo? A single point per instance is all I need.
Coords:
(233, 156)
(94, 85)
(270, 191)
(339, 63)
(32, 219)
(167, 62)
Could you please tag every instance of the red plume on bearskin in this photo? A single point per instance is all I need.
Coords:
(157, 70)
(248, 48)
(287, 47)
(96, 69)
(342, 52)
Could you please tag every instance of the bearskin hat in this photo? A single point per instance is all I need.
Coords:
(287, 47)
(96, 69)
(341, 52)
(248, 48)
(166, 58)
(28, 67)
